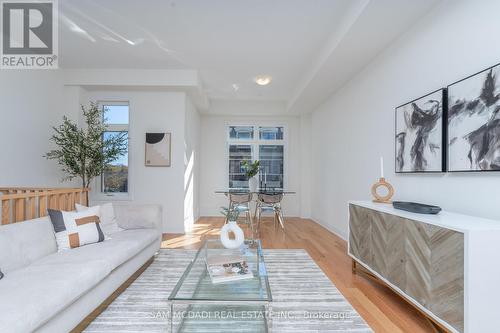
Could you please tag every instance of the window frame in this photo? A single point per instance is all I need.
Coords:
(98, 182)
(256, 142)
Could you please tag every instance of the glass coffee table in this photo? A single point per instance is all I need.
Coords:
(198, 305)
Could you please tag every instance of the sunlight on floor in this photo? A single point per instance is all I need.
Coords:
(210, 227)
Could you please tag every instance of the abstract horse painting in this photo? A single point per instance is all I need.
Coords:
(474, 122)
(419, 134)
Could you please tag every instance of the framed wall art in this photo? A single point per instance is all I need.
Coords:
(474, 122)
(420, 134)
(158, 147)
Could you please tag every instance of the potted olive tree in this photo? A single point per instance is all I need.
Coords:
(84, 152)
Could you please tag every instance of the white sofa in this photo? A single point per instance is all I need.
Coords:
(48, 291)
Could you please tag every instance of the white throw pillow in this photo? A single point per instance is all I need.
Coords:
(75, 229)
(109, 225)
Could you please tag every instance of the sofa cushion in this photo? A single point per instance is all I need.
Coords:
(25, 242)
(114, 252)
(139, 216)
(32, 295)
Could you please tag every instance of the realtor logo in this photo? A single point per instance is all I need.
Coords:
(29, 34)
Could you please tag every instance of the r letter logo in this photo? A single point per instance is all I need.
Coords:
(29, 34)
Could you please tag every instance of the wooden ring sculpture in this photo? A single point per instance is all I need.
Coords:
(382, 198)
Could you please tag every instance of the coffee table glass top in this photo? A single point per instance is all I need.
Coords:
(195, 283)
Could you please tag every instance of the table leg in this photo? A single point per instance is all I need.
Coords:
(250, 221)
(269, 317)
(171, 317)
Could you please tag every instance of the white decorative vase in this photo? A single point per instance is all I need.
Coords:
(252, 184)
(239, 239)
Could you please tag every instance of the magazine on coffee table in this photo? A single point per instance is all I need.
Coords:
(226, 268)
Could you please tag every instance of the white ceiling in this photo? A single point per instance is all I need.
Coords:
(231, 41)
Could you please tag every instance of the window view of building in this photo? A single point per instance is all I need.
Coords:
(268, 147)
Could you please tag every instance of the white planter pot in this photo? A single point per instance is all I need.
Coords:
(239, 239)
(252, 184)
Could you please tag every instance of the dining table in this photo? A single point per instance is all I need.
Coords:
(276, 206)
(265, 190)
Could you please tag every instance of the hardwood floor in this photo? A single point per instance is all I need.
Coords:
(382, 309)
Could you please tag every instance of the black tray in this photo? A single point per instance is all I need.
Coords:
(416, 207)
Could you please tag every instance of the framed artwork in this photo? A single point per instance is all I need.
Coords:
(420, 134)
(474, 122)
(158, 149)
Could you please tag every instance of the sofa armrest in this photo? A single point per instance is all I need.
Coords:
(139, 217)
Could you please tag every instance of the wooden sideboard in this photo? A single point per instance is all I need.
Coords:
(446, 265)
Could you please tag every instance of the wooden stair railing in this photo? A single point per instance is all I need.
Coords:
(20, 204)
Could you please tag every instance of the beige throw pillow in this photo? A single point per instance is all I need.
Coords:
(109, 224)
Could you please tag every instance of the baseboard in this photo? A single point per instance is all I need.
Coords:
(333, 230)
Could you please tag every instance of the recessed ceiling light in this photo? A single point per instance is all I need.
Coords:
(263, 80)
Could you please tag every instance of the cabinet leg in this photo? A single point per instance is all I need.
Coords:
(353, 266)
(435, 327)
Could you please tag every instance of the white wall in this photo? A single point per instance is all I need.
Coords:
(31, 102)
(191, 165)
(246, 107)
(214, 168)
(154, 111)
(356, 125)
(305, 165)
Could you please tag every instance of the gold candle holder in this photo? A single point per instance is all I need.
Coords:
(382, 198)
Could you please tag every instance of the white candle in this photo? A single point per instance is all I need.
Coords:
(381, 167)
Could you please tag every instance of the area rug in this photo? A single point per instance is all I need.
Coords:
(304, 299)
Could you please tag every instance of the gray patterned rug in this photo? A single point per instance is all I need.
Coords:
(304, 299)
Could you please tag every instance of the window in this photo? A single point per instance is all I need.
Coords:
(237, 154)
(271, 133)
(241, 132)
(264, 143)
(115, 177)
(271, 164)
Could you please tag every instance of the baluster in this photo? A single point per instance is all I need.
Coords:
(42, 205)
(53, 204)
(6, 211)
(20, 210)
(30, 214)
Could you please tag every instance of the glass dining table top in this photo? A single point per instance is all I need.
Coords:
(267, 190)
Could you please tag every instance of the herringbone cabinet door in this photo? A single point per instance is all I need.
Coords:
(388, 247)
(360, 234)
(435, 270)
(448, 276)
(418, 261)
